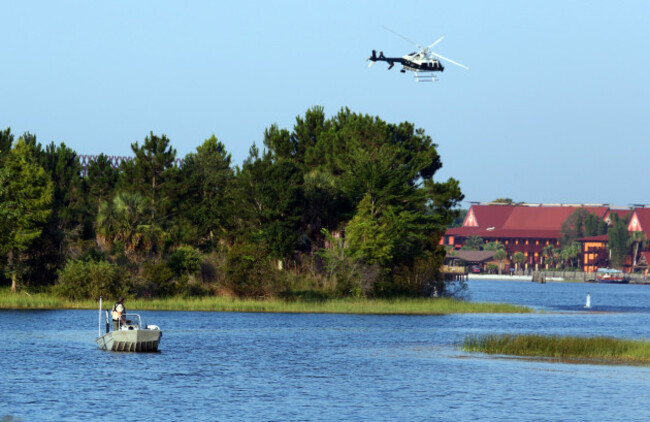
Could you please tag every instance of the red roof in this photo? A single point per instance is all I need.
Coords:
(487, 215)
(473, 256)
(622, 213)
(544, 218)
(640, 221)
(518, 222)
(503, 233)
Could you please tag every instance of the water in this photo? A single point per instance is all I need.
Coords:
(276, 367)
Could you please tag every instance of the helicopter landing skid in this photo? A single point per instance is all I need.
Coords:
(425, 77)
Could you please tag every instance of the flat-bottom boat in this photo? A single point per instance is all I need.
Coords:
(131, 336)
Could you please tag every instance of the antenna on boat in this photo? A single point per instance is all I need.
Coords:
(99, 323)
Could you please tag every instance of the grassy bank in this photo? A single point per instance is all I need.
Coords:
(603, 349)
(224, 304)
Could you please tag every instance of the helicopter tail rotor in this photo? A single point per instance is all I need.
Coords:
(372, 59)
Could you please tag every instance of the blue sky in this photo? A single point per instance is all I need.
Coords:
(555, 108)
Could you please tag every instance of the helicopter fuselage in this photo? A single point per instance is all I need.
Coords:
(415, 62)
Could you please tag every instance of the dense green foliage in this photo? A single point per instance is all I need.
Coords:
(25, 204)
(618, 240)
(473, 243)
(340, 206)
(581, 223)
(567, 347)
(91, 279)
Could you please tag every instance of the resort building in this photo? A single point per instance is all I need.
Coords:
(529, 228)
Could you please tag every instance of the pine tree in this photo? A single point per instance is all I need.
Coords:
(25, 204)
(101, 181)
(205, 193)
(152, 160)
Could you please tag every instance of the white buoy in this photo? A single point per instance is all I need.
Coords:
(588, 303)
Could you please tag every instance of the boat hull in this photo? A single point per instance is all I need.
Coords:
(612, 281)
(130, 341)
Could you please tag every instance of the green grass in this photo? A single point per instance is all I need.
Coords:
(607, 349)
(439, 306)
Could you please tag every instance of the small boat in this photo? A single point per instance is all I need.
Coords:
(131, 336)
(608, 275)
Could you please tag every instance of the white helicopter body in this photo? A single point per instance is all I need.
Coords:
(423, 63)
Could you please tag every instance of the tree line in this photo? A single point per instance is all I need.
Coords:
(339, 206)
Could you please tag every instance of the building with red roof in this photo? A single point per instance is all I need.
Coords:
(594, 252)
(526, 228)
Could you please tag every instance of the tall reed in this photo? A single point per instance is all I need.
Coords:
(416, 306)
(561, 347)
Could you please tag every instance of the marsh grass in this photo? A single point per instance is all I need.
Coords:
(566, 348)
(439, 306)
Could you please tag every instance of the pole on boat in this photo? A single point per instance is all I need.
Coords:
(99, 323)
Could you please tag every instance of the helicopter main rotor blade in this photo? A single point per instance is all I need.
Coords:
(449, 60)
(402, 36)
(435, 42)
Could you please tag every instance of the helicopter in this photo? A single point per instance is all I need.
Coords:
(423, 63)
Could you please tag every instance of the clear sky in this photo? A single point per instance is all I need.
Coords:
(555, 108)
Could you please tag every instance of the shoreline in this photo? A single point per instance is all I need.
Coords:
(500, 277)
(398, 306)
(503, 277)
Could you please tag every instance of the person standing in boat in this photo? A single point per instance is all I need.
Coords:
(118, 314)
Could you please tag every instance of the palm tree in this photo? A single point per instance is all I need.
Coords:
(570, 252)
(500, 255)
(519, 258)
(551, 255)
(493, 246)
(473, 243)
(126, 220)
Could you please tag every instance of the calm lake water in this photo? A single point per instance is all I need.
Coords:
(277, 367)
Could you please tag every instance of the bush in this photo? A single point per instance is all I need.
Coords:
(248, 272)
(157, 279)
(91, 279)
(194, 288)
(185, 260)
